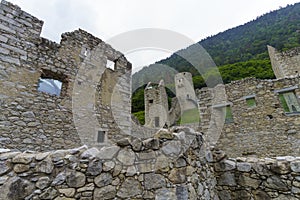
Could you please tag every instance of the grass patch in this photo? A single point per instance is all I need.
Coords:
(190, 116)
(140, 116)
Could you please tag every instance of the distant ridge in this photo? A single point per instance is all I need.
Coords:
(244, 45)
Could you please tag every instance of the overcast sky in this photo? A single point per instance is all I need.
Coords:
(196, 19)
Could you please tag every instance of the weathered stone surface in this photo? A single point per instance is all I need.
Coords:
(49, 193)
(246, 181)
(68, 192)
(41, 156)
(258, 194)
(180, 162)
(164, 134)
(126, 156)
(281, 168)
(274, 182)
(177, 175)
(94, 167)
(107, 192)
(92, 152)
(154, 181)
(109, 165)
(107, 153)
(226, 165)
(165, 193)
(227, 179)
(4, 168)
(103, 179)
(19, 168)
(88, 187)
(182, 192)
(151, 143)
(136, 144)
(45, 166)
(18, 189)
(244, 167)
(123, 142)
(59, 179)
(43, 182)
(295, 166)
(75, 179)
(23, 158)
(130, 188)
(172, 148)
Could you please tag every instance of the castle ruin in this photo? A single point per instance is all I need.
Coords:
(56, 97)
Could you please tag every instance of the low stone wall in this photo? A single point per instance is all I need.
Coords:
(252, 178)
(169, 165)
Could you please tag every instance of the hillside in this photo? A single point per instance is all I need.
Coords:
(245, 44)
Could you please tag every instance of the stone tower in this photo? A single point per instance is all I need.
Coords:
(186, 97)
(185, 92)
(286, 63)
(156, 105)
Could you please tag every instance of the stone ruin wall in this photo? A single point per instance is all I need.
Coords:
(33, 120)
(286, 63)
(253, 178)
(264, 130)
(170, 165)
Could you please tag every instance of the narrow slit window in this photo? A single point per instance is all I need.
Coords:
(228, 115)
(101, 136)
(110, 64)
(156, 121)
(151, 101)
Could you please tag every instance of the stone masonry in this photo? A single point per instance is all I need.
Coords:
(156, 105)
(260, 129)
(286, 63)
(89, 96)
(170, 165)
(257, 178)
(185, 92)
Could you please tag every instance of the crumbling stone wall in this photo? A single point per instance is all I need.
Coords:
(264, 129)
(38, 121)
(253, 178)
(170, 165)
(286, 63)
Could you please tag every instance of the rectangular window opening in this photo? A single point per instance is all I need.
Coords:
(226, 113)
(251, 103)
(156, 121)
(110, 64)
(101, 136)
(289, 102)
(151, 101)
(51, 83)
